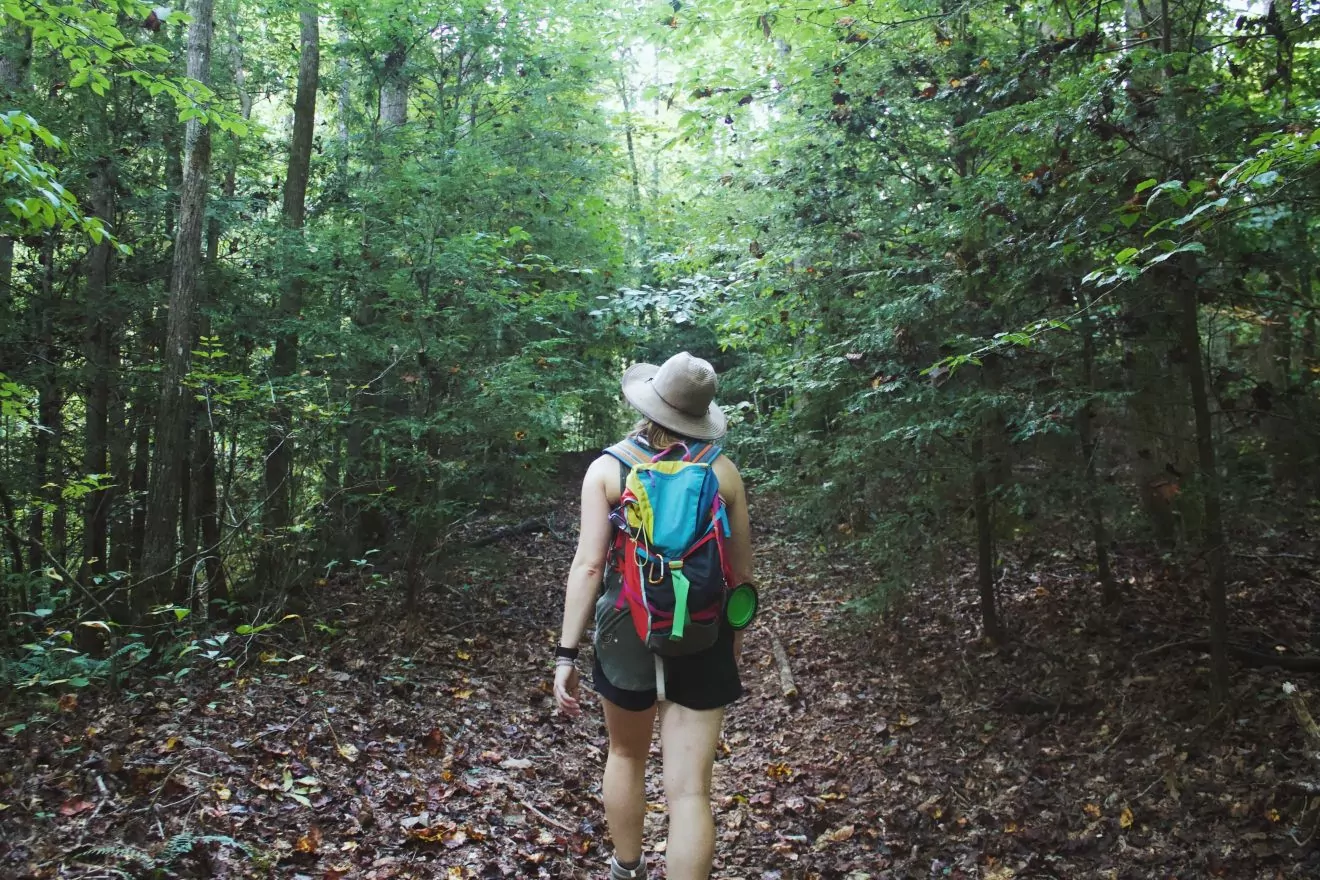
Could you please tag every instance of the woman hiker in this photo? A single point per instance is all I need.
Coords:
(676, 401)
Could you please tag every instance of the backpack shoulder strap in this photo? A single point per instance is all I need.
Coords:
(629, 452)
(707, 453)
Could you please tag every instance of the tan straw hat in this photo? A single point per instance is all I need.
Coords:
(678, 395)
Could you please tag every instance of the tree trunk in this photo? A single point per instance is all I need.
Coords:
(121, 475)
(985, 553)
(284, 363)
(1095, 506)
(47, 535)
(635, 189)
(175, 401)
(183, 572)
(142, 419)
(12, 539)
(1212, 532)
(98, 349)
(394, 87)
(15, 59)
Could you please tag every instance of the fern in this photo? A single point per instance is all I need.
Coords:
(181, 845)
(120, 851)
(136, 648)
(176, 848)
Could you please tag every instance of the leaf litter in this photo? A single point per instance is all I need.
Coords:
(415, 746)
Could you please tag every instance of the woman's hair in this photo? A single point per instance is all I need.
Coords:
(656, 436)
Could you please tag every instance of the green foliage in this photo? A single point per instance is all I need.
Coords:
(52, 664)
(929, 249)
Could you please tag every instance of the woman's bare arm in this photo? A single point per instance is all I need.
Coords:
(593, 545)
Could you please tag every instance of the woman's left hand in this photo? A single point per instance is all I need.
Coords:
(566, 689)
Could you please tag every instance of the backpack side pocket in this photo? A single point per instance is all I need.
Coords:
(625, 660)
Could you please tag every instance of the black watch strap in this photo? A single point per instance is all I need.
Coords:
(569, 653)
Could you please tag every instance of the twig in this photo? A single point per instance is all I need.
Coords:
(1304, 718)
(1123, 730)
(544, 817)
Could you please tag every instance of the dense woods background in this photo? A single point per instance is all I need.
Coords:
(293, 288)
(313, 311)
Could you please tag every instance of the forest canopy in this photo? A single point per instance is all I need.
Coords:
(294, 288)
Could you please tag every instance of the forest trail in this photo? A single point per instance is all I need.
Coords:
(427, 746)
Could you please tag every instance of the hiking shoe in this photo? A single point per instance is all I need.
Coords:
(619, 872)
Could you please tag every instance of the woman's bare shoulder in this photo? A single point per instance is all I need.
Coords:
(602, 469)
(731, 482)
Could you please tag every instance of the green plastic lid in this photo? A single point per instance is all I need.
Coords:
(741, 607)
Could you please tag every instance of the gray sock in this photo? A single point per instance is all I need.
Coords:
(636, 871)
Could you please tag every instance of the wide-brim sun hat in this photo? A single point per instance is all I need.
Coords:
(678, 395)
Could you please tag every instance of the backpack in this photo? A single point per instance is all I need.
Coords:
(670, 528)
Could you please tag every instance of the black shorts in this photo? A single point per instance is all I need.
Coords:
(705, 680)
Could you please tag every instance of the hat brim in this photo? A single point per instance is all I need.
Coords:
(641, 396)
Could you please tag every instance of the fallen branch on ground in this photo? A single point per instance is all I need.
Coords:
(1244, 655)
(532, 524)
(1312, 730)
(786, 684)
(1304, 718)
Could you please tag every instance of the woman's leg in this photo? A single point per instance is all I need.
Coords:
(625, 777)
(688, 738)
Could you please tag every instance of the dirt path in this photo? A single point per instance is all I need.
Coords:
(425, 745)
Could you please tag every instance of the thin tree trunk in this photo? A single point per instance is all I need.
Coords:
(635, 189)
(15, 59)
(284, 363)
(98, 350)
(1095, 506)
(1215, 548)
(12, 538)
(175, 401)
(49, 429)
(183, 574)
(121, 475)
(142, 419)
(985, 553)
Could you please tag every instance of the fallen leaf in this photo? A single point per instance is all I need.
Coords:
(75, 805)
(434, 741)
(463, 655)
(1125, 818)
(464, 694)
(1092, 810)
(310, 842)
(68, 702)
(348, 752)
(516, 764)
(837, 835)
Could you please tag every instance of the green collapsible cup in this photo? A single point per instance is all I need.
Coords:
(741, 606)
